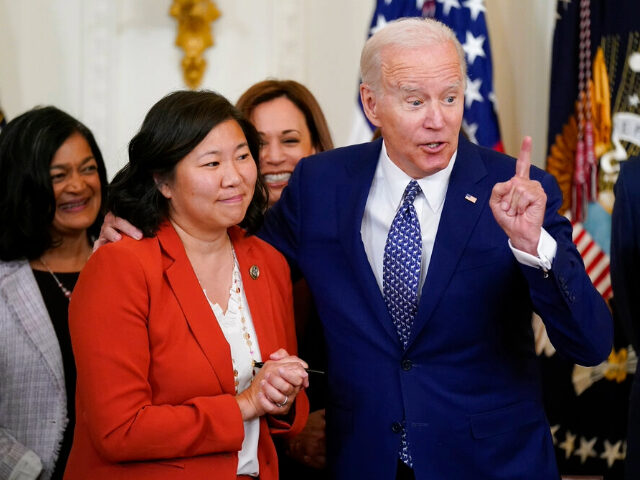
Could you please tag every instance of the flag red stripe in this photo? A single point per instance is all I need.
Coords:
(586, 249)
(603, 275)
(580, 236)
(594, 263)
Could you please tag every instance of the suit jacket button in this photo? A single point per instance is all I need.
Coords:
(396, 427)
(407, 365)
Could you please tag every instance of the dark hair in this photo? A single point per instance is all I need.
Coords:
(301, 97)
(171, 130)
(28, 144)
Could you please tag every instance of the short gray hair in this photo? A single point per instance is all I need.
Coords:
(408, 32)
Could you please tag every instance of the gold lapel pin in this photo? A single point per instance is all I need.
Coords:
(254, 272)
(470, 198)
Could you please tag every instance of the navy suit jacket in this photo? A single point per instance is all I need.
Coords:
(625, 279)
(468, 384)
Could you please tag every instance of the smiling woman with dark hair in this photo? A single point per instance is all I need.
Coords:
(51, 178)
(291, 126)
(162, 143)
(167, 330)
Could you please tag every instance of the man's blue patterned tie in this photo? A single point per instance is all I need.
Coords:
(401, 277)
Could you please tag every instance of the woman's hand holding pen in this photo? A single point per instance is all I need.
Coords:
(274, 387)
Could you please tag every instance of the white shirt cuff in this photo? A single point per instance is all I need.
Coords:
(547, 248)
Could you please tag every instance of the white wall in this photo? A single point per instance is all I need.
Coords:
(108, 61)
(521, 33)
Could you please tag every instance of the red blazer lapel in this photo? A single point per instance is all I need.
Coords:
(195, 307)
(255, 281)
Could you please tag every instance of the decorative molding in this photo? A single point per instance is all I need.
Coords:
(289, 49)
(194, 35)
(97, 35)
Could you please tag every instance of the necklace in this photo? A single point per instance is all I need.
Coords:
(236, 289)
(66, 292)
(234, 325)
(237, 282)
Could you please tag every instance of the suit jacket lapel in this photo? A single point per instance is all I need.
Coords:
(459, 216)
(195, 307)
(257, 291)
(351, 201)
(22, 291)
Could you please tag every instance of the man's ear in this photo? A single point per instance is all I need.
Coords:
(369, 103)
(162, 186)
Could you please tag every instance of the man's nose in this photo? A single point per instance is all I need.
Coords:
(434, 116)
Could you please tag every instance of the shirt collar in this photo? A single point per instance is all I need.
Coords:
(434, 187)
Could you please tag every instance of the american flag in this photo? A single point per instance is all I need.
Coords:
(614, 29)
(593, 44)
(596, 261)
(466, 18)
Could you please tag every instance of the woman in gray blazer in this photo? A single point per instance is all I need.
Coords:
(52, 180)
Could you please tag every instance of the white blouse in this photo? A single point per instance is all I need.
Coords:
(234, 330)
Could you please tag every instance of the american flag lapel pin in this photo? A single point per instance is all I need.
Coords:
(470, 198)
(254, 272)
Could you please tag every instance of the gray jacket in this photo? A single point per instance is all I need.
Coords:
(33, 401)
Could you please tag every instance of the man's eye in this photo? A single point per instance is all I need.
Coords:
(450, 99)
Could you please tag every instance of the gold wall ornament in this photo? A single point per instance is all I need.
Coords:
(194, 35)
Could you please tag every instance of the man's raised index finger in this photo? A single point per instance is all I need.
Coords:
(524, 159)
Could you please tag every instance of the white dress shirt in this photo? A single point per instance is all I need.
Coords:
(385, 198)
(231, 326)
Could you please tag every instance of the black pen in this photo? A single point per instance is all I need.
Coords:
(308, 370)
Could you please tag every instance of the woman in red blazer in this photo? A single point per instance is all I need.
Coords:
(166, 330)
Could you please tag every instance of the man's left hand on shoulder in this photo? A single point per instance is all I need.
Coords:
(519, 204)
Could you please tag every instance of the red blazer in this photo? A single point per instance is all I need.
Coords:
(155, 392)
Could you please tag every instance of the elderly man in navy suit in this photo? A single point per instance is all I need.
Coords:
(444, 384)
(426, 256)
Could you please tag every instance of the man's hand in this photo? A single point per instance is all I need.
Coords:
(111, 230)
(309, 446)
(519, 204)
